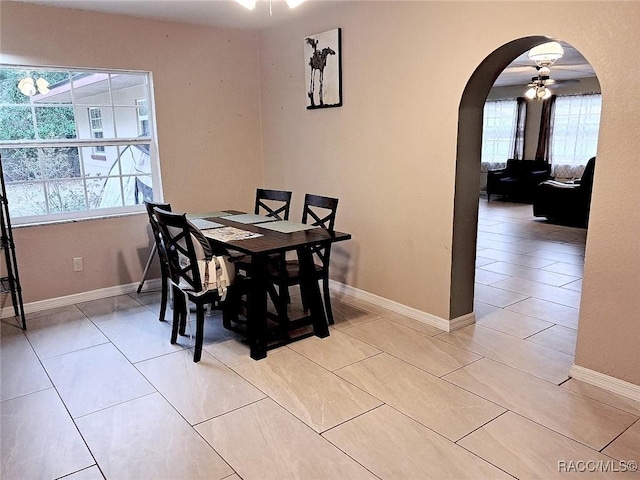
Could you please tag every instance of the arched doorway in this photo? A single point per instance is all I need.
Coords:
(468, 171)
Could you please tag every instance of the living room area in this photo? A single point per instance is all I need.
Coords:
(534, 206)
(540, 136)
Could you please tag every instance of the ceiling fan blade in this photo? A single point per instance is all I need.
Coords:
(567, 81)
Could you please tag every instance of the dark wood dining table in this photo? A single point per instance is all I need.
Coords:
(260, 249)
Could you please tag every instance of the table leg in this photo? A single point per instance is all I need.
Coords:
(257, 308)
(309, 283)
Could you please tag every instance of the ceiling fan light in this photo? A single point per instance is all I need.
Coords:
(546, 54)
(294, 3)
(531, 93)
(250, 4)
(547, 94)
(544, 71)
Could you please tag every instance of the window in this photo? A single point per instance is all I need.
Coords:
(576, 123)
(95, 123)
(498, 130)
(74, 147)
(143, 117)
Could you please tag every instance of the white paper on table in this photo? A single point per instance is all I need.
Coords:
(228, 234)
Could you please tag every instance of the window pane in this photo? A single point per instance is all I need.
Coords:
(499, 123)
(16, 123)
(26, 199)
(126, 88)
(127, 122)
(95, 188)
(91, 88)
(111, 193)
(575, 129)
(60, 162)
(57, 82)
(100, 164)
(130, 192)
(20, 164)
(144, 189)
(9, 79)
(94, 119)
(55, 122)
(66, 196)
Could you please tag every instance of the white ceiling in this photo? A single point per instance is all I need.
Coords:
(228, 13)
(571, 67)
(217, 13)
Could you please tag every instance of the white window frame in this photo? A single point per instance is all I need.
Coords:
(150, 141)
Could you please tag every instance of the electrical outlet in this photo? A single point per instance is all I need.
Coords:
(77, 264)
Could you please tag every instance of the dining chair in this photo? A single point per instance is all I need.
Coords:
(162, 254)
(191, 266)
(318, 211)
(275, 203)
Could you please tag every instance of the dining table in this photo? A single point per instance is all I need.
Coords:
(260, 238)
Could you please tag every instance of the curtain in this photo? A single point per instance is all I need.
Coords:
(518, 137)
(543, 152)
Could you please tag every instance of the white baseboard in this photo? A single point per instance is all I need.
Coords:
(614, 385)
(419, 315)
(153, 284)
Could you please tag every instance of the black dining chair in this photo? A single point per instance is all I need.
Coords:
(321, 212)
(272, 203)
(191, 264)
(275, 203)
(162, 254)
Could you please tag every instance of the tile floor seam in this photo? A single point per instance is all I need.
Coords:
(73, 421)
(543, 330)
(621, 433)
(114, 405)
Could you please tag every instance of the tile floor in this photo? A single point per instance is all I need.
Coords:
(95, 390)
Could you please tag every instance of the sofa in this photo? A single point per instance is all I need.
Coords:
(518, 179)
(566, 203)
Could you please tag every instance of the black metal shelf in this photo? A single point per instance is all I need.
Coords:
(10, 281)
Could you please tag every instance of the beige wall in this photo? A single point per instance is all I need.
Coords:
(390, 152)
(206, 84)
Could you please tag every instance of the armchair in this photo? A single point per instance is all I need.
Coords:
(518, 180)
(567, 203)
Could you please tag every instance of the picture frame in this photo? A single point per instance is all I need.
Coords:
(323, 63)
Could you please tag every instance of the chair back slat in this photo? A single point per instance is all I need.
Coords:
(184, 244)
(321, 212)
(321, 209)
(275, 203)
(155, 229)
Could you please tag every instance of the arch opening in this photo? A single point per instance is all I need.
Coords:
(467, 176)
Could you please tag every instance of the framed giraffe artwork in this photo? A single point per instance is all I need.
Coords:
(323, 63)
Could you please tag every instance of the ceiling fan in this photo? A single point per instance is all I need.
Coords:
(544, 56)
(538, 85)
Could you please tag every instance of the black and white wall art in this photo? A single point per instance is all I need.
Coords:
(322, 53)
